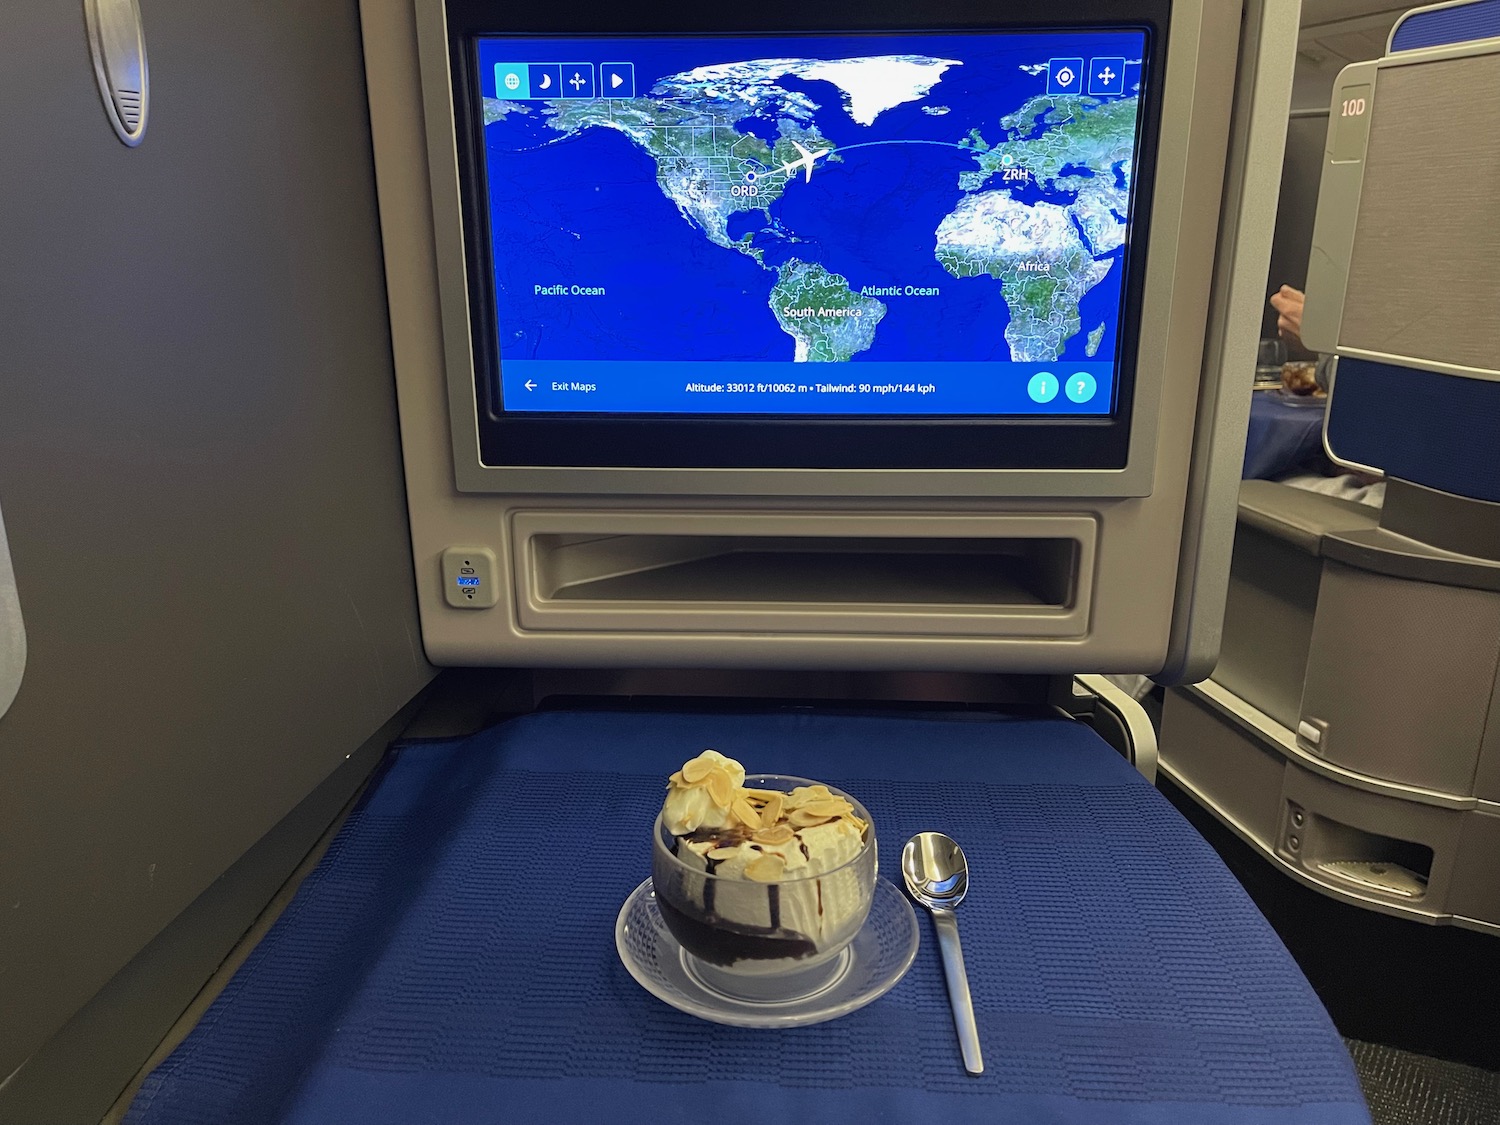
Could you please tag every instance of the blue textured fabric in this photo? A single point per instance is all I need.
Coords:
(1421, 426)
(1282, 434)
(1480, 20)
(451, 961)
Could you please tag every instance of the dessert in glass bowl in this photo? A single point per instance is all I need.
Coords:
(765, 879)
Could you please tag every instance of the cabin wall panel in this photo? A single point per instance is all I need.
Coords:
(200, 471)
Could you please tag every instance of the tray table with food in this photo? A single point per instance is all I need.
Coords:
(549, 920)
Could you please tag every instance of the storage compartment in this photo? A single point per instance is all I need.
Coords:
(1400, 677)
(1387, 847)
(1367, 861)
(1268, 622)
(1222, 763)
(973, 572)
(1272, 600)
(1024, 575)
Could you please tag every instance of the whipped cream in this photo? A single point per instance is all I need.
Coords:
(702, 794)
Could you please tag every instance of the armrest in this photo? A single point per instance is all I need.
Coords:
(1299, 517)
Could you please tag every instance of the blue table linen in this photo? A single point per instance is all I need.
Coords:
(451, 960)
(1285, 431)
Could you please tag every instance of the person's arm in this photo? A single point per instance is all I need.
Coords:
(1288, 304)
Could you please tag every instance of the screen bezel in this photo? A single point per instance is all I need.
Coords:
(718, 441)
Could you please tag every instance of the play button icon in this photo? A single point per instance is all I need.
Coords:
(617, 80)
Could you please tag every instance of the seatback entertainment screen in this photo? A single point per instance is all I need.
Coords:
(811, 225)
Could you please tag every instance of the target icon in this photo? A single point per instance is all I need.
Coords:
(1065, 76)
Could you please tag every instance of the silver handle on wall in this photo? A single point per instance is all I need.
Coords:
(118, 46)
(12, 629)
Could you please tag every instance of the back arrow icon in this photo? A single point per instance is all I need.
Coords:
(529, 385)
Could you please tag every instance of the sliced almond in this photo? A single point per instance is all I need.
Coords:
(746, 813)
(828, 809)
(696, 770)
(777, 834)
(802, 818)
(770, 813)
(761, 795)
(720, 788)
(806, 793)
(765, 868)
(723, 853)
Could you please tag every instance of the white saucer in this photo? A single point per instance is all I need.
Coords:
(875, 960)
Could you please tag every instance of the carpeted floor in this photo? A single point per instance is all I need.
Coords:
(1409, 1089)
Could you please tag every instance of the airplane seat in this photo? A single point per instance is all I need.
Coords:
(1351, 731)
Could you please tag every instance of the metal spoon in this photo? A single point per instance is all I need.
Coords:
(937, 876)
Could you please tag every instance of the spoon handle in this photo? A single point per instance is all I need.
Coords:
(958, 988)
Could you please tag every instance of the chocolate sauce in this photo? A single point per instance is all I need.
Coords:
(724, 943)
(718, 837)
(711, 865)
(716, 941)
(727, 837)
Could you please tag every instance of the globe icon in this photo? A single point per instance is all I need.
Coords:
(512, 81)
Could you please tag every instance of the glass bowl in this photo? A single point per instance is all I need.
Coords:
(762, 940)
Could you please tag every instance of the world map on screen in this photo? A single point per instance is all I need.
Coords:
(812, 200)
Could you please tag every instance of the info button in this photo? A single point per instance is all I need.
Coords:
(1043, 387)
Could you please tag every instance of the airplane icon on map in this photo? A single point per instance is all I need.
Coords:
(806, 161)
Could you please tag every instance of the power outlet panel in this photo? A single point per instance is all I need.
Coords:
(469, 577)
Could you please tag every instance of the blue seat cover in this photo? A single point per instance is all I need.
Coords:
(451, 960)
(1437, 26)
(1420, 426)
